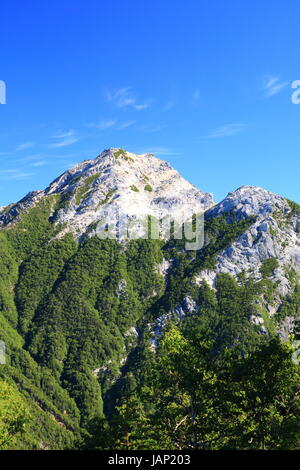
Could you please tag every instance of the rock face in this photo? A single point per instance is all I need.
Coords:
(273, 234)
(115, 185)
(249, 201)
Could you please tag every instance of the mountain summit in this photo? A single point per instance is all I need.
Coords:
(120, 182)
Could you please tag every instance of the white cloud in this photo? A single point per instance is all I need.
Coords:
(66, 138)
(141, 106)
(125, 125)
(120, 97)
(111, 124)
(64, 135)
(125, 97)
(64, 143)
(273, 85)
(29, 158)
(24, 146)
(105, 124)
(14, 174)
(39, 163)
(227, 130)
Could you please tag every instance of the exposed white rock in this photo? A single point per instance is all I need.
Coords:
(164, 267)
(11, 212)
(131, 332)
(122, 287)
(259, 321)
(189, 305)
(118, 187)
(286, 328)
(251, 201)
(176, 315)
(272, 234)
(126, 187)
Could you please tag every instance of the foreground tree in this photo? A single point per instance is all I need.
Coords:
(252, 402)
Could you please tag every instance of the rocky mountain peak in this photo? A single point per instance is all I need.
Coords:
(249, 201)
(117, 182)
(273, 234)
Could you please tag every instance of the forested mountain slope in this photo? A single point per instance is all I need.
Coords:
(141, 343)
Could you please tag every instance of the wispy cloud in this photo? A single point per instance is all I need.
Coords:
(125, 125)
(24, 146)
(102, 125)
(228, 130)
(112, 124)
(64, 143)
(66, 139)
(141, 106)
(125, 97)
(39, 163)
(273, 85)
(30, 158)
(64, 135)
(14, 174)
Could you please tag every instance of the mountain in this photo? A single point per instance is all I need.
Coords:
(274, 234)
(141, 343)
(116, 182)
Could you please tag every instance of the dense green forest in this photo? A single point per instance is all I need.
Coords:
(84, 369)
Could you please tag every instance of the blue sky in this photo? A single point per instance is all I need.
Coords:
(205, 85)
